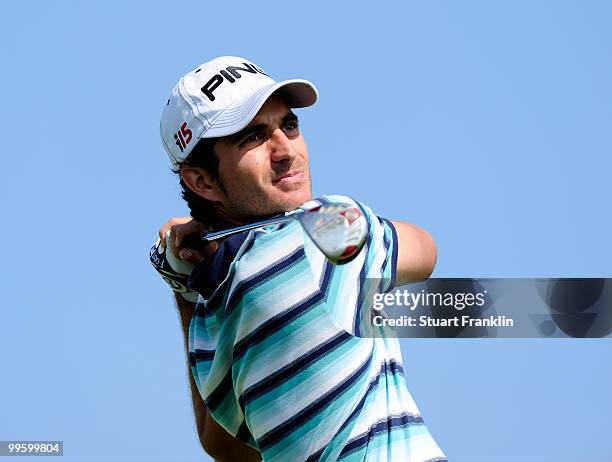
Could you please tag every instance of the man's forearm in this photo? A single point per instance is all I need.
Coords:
(214, 439)
(186, 310)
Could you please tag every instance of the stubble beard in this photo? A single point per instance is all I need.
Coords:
(246, 205)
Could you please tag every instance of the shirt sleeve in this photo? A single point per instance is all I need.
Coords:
(382, 250)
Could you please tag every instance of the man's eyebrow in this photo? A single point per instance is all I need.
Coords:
(290, 117)
(247, 131)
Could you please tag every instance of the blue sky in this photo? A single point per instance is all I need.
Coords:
(487, 123)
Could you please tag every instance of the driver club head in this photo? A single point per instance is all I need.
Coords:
(338, 230)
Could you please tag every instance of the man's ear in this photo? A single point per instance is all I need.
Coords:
(200, 182)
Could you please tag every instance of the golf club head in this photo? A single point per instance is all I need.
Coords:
(338, 230)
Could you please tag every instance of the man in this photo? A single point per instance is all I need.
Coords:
(279, 368)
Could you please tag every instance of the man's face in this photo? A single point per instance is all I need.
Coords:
(264, 169)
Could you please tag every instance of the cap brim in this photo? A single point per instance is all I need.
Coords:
(296, 93)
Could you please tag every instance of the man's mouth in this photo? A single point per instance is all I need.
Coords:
(289, 177)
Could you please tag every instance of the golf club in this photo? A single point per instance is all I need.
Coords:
(338, 230)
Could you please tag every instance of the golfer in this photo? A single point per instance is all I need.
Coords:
(280, 368)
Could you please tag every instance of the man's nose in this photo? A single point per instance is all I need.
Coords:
(280, 146)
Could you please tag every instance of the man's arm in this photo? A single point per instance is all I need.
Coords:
(417, 253)
(219, 444)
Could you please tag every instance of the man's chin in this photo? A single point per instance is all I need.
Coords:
(294, 200)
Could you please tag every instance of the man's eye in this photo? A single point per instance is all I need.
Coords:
(253, 138)
(291, 128)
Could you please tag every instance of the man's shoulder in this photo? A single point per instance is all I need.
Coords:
(248, 255)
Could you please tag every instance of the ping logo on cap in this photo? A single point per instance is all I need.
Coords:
(229, 74)
(183, 136)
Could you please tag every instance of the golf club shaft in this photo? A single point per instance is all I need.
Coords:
(258, 224)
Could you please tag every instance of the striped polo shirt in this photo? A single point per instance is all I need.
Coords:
(278, 357)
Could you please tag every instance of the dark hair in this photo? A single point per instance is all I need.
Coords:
(203, 155)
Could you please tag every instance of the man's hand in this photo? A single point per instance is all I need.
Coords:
(173, 260)
(180, 228)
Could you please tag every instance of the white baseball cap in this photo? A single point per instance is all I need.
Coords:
(220, 98)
